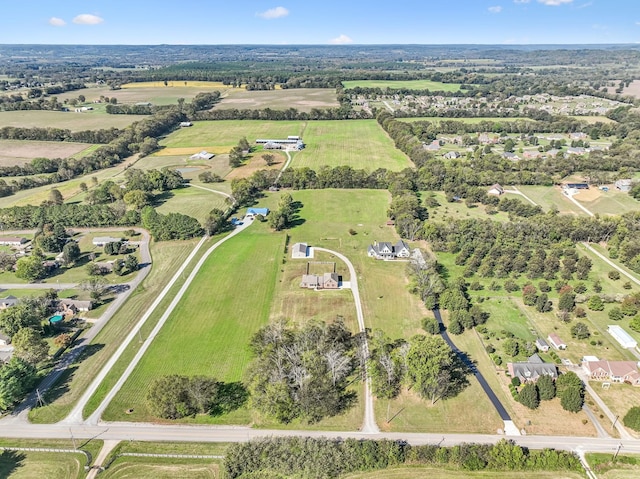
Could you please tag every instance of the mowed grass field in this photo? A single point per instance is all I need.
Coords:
(302, 99)
(209, 332)
(443, 473)
(19, 152)
(411, 84)
(91, 120)
(612, 202)
(31, 465)
(161, 468)
(360, 144)
(221, 136)
(193, 202)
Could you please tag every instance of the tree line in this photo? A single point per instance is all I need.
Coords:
(321, 458)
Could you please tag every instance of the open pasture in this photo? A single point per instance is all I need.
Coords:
(19, 152)
(161, 468)
(209, 332)
(612, 202)
(443, 473)
(549, 197)
(191, 201)
(221, 136)
(360, 144)
(472, 121)
(256, 162)
(28, 465)
(91, 120)
(409, 84)
(302, 99)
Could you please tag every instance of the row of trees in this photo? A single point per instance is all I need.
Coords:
(568, 387)
(320, 458)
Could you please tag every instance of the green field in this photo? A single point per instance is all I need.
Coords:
(361, 144)
(443, 473)
(612, 202)
(30, 465)
(224, 135)
(92, 120)
(193, 202)
(161, 468)
(549, 197)
(410, 84)
(227, 303)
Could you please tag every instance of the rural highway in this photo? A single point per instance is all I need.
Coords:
(20, 413)
(369, 425)
(76, 414)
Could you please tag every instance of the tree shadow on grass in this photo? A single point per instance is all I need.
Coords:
(162, 198)
(10, 462)
(231, 396)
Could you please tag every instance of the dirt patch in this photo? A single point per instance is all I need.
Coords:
(591, 194)
(16, 152)
(256, 163)
(632, 90)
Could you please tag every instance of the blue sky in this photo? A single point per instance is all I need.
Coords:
(319, 22)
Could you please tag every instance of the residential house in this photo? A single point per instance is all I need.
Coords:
(253, 212)
(299, 250)
(485, 139)
(203, 155)
(452, 155)
(556, 342)
(104, 267)
(624, 185)
(385, 250)
(73, 305)
(103, 240)
(531, 154)
(578, 136)
(510, 156)
(620, 335)
(324, 281)
(12, 241)
(542, 345)
(614, 371)
(272, 146)
(433, 146)
(532, 370)
(576, 150)
(8, 302)
(576, 186)
(496, 190)
(553, 152)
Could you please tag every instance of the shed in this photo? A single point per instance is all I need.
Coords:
(203, 155)
(253, 212)
(556, 342)
(103, 240)
(299, 250)
(620, 335)
(542, 345)
(496, 190)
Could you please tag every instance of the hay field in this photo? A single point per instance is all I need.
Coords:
(221, 136)
(410, 84)
(360, 144)
(65, 119)
(612, 202)
(302, 99)
(19, 152)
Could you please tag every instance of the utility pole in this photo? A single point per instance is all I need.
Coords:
(73, 439)
(615, 421)
(40, 401)
(617, 451)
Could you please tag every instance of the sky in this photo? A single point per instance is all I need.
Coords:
(144, 22)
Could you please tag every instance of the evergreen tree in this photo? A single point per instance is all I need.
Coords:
(546, 388)
(528, 396)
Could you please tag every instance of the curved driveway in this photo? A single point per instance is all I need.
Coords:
(369, 426)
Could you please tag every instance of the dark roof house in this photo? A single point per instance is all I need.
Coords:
(532, 370)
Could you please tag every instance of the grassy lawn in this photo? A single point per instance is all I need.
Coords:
(361, 144)
(443, 473)
(619, 398)
(193, 202)
(214, 321)
(612, 202)
(302, 99)
(221, 136)
(549, 197)
(626, 466)
(92, 120)
(162, 468)
(29, 465)
(410, 84)
(167, 256)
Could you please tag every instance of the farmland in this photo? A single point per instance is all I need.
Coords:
(302, 99)
(91, 120)
(18, 152)
(408, 84)
(361, 144)
(191, 201)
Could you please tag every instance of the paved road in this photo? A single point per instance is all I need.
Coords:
(369, 425)
(510, 428)
(21, 412)
(187, 433)
(76, 415)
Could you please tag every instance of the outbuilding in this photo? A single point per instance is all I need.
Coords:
(253, 212)
(556, 342)
(620, 335)
(299, 250)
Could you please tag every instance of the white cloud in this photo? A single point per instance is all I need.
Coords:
(341, 40)
(273, 13)
(554, 3)
(88, 19)
(496, 9)
(57, 22)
